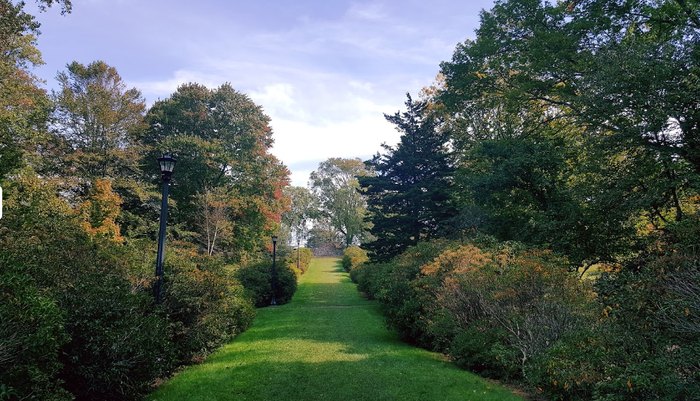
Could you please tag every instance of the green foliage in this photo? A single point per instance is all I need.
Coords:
(302, 209)
(484, 349)
(100, 121)
(341, 207)
(656, 361)
(409, 198)
(353, 257)
(256, 278)
(221, 140)
(393, 283)
(204, 304)
(116, 345)
(496, 308)
(31, 336)
(302, 259)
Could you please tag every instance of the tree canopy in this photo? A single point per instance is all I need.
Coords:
(410, 195)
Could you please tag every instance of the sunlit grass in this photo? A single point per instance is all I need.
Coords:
(327, 344)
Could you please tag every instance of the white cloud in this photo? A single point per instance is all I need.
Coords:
(324, 79)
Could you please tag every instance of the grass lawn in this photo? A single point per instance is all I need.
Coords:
(327, 344)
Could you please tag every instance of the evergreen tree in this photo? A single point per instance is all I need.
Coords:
(409, 199)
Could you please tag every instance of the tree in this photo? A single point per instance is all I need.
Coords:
(23, 104)
(302, 210)
(214, 221)
(221, 140)
(100, 211)
(410, 197)
(100, 120)
(335, 185)
(567, 122)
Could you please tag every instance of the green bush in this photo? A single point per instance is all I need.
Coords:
(205, 305)
(500, 309)
(651, 333)
(256, 278)
(354, 256)
(117, 346)
(483, 348)
(570, 369)
(304, 260)
(31, 335)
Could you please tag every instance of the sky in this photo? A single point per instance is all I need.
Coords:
(324, 71)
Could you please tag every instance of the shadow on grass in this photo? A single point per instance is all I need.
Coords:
(371, 378)
(328, 344)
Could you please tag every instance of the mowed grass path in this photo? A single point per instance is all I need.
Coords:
(327, 344)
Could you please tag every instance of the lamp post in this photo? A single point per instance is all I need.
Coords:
(167, 165)
(298, 245)
(274, 270)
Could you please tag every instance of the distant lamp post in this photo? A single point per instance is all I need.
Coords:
(167, 165)
(274, 270)
(298, 246)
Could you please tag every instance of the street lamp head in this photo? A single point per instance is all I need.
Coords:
(274, 239)
(167, 165)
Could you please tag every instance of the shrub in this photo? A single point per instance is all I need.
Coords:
(483, 348)
(650, 330)
(31, 335)
(117, 346)
(496, 308)
(256, 278)
(304, 260)
(406, 302)
(354, 256)
(204, 303)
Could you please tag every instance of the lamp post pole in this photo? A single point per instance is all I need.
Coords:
(298, 244)
(167, 164)
(274, 270)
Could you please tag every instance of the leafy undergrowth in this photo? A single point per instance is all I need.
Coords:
(327, 344)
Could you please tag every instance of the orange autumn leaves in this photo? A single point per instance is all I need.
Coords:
(100, 210)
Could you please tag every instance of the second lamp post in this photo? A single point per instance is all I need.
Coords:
(274, 270)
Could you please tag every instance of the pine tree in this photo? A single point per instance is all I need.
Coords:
(409, 199)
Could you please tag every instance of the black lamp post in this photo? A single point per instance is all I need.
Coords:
(167, 165)
(274, 270)
(298, 246)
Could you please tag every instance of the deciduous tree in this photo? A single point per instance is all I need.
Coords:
(335, 185)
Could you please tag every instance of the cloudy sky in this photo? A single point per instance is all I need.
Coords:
(325, 71)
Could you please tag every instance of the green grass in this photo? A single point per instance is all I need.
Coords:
(327, 344)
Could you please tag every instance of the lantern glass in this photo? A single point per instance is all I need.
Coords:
(167, 163)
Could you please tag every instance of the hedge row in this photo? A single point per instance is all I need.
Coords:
(77, 317)
(518, 314)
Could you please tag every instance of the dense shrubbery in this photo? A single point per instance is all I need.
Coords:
(304, 260)
(517, 313)
(31, 335)
(354, 256)
(256, 279)
(205, 304)
(78, 314)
